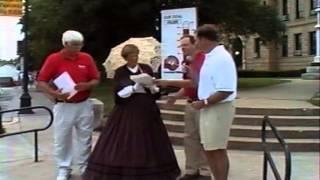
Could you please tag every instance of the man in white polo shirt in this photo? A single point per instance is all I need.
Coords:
(217, 90)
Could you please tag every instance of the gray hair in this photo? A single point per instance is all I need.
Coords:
(71, 35)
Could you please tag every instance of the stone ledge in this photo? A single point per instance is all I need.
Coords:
(98, 110)
(310, 76)
(313, 69)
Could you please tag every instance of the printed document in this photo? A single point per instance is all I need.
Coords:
(65, 83)
(143, 78)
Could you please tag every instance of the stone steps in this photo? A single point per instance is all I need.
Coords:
(242, 119)
(299, 127)
(255, 131)
(255, 111)
(254, 144)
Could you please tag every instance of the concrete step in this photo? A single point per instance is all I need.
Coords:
(286, 132)
(313, 69)
(313, 121)
(255, 131)
(310, 76)
(174, 126)
(254, 111)
(172, 115)
(245, 143)
(254, 119)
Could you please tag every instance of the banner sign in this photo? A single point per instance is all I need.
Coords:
(174, 24)
(11, 7)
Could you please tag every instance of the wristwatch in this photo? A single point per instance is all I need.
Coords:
(205, 101)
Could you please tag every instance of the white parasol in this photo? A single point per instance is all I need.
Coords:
(149, 54)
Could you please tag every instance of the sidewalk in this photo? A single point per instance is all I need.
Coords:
(245, 165)
(287, 95)
(16, 152)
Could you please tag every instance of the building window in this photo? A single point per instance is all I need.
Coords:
(285, 46)
(284, 11)
(299, 9)
(313, 5)
(298, 44)
(312, 41)
(284, 7)
(257, 47)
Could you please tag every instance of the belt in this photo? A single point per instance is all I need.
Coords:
(190, 100)
(71, 102)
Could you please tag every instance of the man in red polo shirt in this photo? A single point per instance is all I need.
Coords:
(74, 112)
(196, 165)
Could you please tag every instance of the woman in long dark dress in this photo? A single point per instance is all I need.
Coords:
(135, 144)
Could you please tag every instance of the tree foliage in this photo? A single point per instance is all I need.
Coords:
(105, 23)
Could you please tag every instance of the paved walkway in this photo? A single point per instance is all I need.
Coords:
(287, 95)
(16, 153)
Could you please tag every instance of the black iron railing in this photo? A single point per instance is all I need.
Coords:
(267, 155)
(30, 130)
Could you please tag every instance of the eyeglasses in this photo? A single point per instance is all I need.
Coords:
(75, 44)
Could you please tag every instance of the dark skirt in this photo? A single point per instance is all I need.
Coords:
(134, 145)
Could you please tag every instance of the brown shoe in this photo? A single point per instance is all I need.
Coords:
(201, 177)
(190, 177)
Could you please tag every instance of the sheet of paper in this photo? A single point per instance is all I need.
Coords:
(66, 84)
(143, 78)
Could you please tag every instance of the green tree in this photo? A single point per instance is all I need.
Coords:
(239, 17)
(105, 23)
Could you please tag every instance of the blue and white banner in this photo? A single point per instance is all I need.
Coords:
(175, 23)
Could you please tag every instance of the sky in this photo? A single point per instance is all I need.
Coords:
(10, 33)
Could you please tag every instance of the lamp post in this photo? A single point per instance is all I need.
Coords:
(1, 127)
(25, 99)
(313, 71)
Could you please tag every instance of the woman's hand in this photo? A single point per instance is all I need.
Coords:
(198, 105)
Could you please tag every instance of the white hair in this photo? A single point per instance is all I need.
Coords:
(71, 35)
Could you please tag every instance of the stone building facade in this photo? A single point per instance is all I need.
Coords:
(297, 49)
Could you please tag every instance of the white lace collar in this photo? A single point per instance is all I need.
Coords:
(134, 70)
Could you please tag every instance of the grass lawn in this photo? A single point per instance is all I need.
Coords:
(104, 91)
(250, 83)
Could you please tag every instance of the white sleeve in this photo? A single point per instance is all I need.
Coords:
(226, 77)
(126, 92)
(129, 90)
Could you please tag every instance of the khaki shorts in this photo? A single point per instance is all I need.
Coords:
(215, 124)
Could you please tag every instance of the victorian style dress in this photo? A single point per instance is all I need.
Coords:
(134, 145)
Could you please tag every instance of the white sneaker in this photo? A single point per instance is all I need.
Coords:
(63, 177)
(82, 169)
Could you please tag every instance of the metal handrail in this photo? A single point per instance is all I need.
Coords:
(267, 158)
(31, 130)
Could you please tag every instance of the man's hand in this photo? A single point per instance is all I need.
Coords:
(160, 82)
(61, 96)
(188, 71)
(198, 105)
(83, 86)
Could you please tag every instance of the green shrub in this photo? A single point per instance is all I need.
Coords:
(289, 73)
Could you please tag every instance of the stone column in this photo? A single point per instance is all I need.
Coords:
(313, 71)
